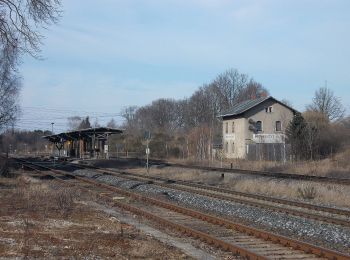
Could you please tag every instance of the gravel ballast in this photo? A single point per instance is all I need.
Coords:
(334, 236)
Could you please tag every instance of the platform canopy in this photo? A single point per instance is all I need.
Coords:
(98, 133)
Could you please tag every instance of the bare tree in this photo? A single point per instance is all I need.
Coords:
(9, 90)
(129, 113)
(252, 90)
(112, 123)
(74, 122)
(20, 21)
(326, 103)
(85, 123)
(229, 85)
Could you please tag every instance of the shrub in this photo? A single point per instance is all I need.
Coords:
(64, 199)
(307, 192)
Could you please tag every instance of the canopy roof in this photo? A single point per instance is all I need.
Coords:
(99, 132)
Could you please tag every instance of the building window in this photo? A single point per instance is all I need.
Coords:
(258, 126)
(226, 147)
(268, 109)
(233, 147)
(278, 126)
(226, 128)
(233, 127)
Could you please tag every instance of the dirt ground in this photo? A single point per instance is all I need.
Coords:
(44, 219)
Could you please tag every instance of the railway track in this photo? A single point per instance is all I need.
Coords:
(277, 175)
(296, 208)
(245, 241)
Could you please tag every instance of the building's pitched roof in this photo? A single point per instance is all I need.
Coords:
(247, 105)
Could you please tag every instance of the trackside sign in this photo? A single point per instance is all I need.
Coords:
(268, 138)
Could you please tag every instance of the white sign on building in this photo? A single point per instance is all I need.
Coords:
(230, 136)
(268, 138)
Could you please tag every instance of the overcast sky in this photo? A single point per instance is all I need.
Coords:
(107, 54)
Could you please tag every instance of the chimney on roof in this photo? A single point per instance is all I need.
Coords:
(263, 94)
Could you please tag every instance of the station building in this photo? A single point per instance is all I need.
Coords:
(255, 129)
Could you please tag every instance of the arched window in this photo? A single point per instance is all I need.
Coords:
(233, 147)
(233, 127)
(278, 126)
(258, 126)
(226, 147)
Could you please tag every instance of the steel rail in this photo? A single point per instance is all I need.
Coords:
(268, 236)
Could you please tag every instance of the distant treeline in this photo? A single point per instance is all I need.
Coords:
(24, 141)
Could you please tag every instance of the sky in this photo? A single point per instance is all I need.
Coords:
(108, 54)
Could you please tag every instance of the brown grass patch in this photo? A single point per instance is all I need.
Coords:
(44, 219)
(336, 166)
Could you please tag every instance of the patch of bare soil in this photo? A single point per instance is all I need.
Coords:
(44, 219)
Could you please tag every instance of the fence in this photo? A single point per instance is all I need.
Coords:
(268, 152)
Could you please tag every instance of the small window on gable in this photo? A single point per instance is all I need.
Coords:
(278, 126)
(268, 109)
(258, 126)
(233, 127)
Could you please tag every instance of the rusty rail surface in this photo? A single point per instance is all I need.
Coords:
(268, 236)
(204, 190)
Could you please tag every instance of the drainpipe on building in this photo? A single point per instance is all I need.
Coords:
(284, 148)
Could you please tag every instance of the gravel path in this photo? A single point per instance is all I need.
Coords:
(333, 235)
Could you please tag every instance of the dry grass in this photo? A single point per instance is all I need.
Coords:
(36, 195)
(337, 166)
(43, 219)
(327, 194)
